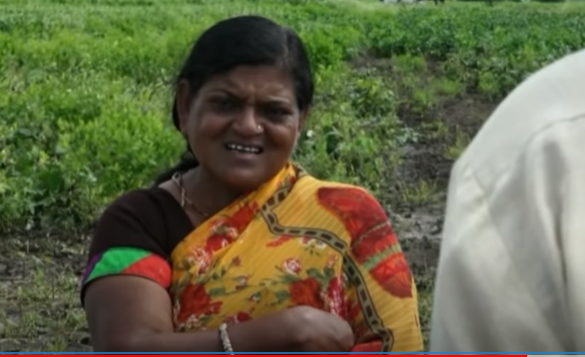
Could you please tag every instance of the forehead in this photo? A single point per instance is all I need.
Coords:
(252, 81)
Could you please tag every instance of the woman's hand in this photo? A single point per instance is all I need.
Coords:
(121, 319)
(314, 330)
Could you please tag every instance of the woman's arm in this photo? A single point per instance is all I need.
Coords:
(133, 314)
(125, 290)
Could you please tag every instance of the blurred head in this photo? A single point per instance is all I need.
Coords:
(241, 99)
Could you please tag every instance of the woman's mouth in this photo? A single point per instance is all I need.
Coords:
(244, 148)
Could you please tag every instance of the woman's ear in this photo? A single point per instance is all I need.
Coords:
(183, 104)
(297, 137)
(302, 118)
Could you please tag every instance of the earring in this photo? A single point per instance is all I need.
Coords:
(259, 127)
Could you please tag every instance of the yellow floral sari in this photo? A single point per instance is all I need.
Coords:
(299, 241)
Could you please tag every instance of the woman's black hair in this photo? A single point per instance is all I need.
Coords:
(243, 40)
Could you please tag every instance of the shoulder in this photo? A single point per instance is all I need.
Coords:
(132, 238)
(144, 218)
(354, 206)
(140, 206)
(142, 199)
(537, 110)
(556, 148)
(348, 197)
(369, 233)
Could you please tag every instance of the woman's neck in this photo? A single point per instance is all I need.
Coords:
(207, 192)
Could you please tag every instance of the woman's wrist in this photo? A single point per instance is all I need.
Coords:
(224, 338)
(275, 333)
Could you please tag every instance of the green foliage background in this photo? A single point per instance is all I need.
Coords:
(85, 93)
(85, 87)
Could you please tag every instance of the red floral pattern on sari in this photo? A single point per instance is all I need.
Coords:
(243, 265)
(357, 210)
(394, 275)
(306, 292)
(373, 242)
(226, 230)
(243, 216)
(334, 298)
(196, 301)
(237, 318)
(372, 237)
(373, 346)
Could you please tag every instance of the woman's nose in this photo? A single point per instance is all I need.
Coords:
(246, 122)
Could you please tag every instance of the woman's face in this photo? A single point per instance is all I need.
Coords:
(242, 125)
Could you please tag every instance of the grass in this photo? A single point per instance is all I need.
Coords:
(84, 102)
(39, 285)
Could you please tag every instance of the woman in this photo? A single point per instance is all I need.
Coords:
(241, 250)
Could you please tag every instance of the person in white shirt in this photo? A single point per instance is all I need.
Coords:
(511, 274)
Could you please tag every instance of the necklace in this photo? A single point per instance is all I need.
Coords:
(178, 181)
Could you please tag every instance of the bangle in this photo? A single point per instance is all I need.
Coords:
(225, 339)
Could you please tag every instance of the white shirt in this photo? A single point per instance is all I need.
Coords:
(511, 275)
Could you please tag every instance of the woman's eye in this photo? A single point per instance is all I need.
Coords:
(277, 112)
(223, 103)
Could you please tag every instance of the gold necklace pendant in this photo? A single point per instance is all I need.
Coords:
(177, 179)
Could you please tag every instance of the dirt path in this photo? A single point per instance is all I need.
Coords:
(38, 286)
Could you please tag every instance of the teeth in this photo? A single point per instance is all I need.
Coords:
(243, 148)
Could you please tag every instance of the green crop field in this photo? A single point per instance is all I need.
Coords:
(85, 88)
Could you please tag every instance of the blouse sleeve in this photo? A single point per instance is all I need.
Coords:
(382, 296)
(128, 240)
